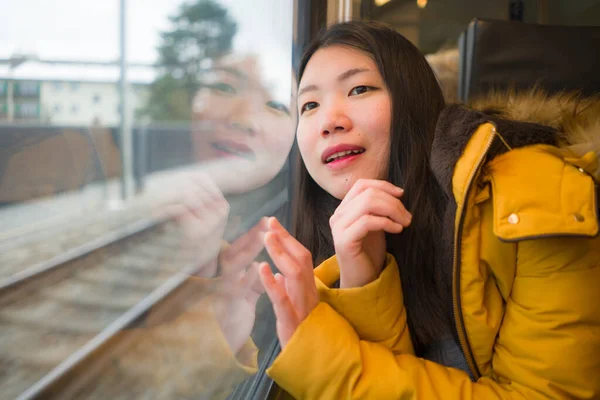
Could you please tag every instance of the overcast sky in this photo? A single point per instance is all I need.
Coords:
(89, 30)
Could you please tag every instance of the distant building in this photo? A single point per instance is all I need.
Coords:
(69, 93)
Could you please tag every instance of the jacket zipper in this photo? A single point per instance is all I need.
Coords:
(456, 306)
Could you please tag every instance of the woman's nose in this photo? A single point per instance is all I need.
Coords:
(244, 115)
(335, 121)
(244, 124)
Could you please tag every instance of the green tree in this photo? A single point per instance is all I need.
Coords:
(201, 32)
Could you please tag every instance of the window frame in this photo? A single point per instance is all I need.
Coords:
(309, 16)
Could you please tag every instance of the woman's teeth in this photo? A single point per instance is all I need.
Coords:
(337, 155)
(226, 149)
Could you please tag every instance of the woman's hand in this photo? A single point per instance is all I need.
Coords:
(235, 307)
(358, 227)
(293, 292)
(239, 287)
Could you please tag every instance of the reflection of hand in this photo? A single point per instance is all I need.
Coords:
(358, 227)
(239, 287)
(236, 307)
(202, 213)
(293, 292)
(243, 251)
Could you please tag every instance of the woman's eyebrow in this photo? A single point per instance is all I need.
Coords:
(343, 76)
(351, 72)
(230, 70)
(309, 88)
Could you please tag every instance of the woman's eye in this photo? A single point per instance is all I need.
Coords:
(276, 105)
(221, 87)
(309, 106)
(359, 90)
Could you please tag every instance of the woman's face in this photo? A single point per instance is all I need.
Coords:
(344, 119)
(239, 126)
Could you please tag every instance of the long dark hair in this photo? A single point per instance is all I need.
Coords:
(417, 101)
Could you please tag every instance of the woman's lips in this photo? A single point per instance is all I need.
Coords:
(333, 153)
(343, 161)
(229, 148)
(341, 155)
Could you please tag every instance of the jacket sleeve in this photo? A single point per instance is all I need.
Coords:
(548, 346)
(375, 311)
(325, 359)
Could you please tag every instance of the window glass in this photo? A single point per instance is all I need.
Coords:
(131, 209)
(434, 26)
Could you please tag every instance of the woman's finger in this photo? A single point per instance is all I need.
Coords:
(252, 279)
(275, 290)
(208, 213)
(174, 211)
(195, 197)
(207, 184)
(370, 223)
(293, 247)
(201, 193)
(301, 286)
(281, 258)
(244, 250)
(287, 322)
(373, 202)
(250, 236)
(363, 184)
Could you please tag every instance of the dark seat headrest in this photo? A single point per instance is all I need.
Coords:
(505, 54)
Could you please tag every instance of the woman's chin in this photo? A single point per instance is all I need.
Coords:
(339, 187)
(238, 176)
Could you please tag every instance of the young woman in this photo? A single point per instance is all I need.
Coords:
(459, 249)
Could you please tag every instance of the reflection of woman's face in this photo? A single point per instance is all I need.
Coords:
(238, 122)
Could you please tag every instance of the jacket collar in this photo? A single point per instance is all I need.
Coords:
(565, 120)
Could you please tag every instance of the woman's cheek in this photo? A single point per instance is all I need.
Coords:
(304, 145)
(374, 115)
(275, 144)
(279, 135)
(209, 106)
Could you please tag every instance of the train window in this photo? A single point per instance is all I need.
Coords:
(434, 26)
(131, 234)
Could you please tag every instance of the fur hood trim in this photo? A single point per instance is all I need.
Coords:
(566, 120)
(575, 118)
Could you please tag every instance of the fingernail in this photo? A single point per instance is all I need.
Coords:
(272, 222)
(263, 222)
(270, 239)
(267, 236)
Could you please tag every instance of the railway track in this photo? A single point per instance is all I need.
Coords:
(60, 310)
(63, 312)
(46, 244)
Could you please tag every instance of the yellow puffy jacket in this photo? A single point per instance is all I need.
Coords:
(526, 271)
